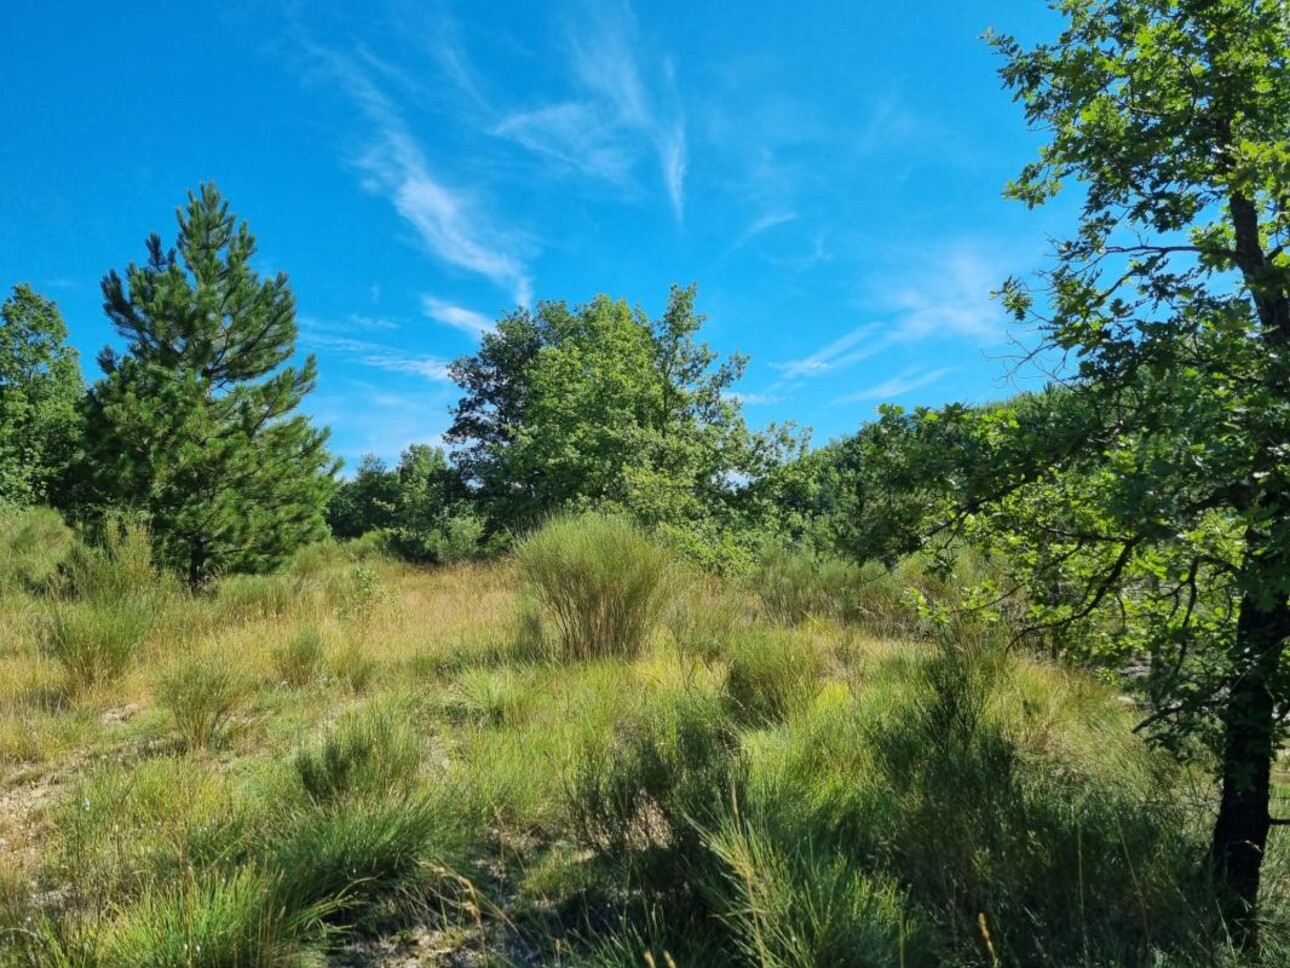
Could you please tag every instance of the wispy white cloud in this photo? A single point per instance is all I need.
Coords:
(574, 134)
(469, 320)
(890, 124)
(948, 298)
(430, 367)
(817, 255)
(377, 355)
(751, 399)
(448, 219)
(369, 323)
(763, 223)
(896, 386)
(674, 157)
(621, 107)
(842, 352)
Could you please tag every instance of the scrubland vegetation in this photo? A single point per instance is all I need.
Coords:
(587, 753)
(620, 680)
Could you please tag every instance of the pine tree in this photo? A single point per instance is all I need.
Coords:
(194, 425)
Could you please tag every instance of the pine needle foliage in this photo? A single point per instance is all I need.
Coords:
(196, 424)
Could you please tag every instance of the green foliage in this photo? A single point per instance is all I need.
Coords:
(33, 544)
(597, 406)
(642, 800)
(601, 580)
(770, 675)
(201, 693)
(1145, 506)
(194, 426)
(217, 920)
(372, 752)
(96, 641)
(420, 506)
(298, 661)
(41, 429)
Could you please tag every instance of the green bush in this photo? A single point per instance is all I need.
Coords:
(33, 544)
(449, 538)
(117, 564)
(214, 920)
(370, 752)
(771, 674)
(202, 693)
(96, 641)
(298, 662)
(809, 906)
(642, 800)
(360, 857)
(601, 580)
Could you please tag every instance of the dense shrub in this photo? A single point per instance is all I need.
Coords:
(33, 543)
(642, 800)
(202, 692)
(771, 674)
(96, 641)
(601, 580)
(370, 752)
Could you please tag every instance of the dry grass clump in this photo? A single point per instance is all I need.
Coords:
(202, 693)
(600, 579)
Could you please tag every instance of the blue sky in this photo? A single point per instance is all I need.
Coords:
(829, 174)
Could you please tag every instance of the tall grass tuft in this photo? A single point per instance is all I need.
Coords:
(795, 585)
(370, 752)
(641, 801)
(299, 661)
(362, 858)
(215, 920)
(601, 580)
(118, 564)
(244, 598)
(806, 906)
(202, 692)
(96, 641)
(771, 674)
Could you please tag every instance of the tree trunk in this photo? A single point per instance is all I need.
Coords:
(1249, 723)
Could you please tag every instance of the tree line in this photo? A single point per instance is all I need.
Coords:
(1138, 509)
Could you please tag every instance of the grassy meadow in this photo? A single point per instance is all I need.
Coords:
(585, 754)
